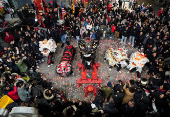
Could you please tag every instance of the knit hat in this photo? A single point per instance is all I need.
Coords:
(109, 84)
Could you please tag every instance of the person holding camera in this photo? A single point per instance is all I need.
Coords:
(23, 93)
(129, 94)
(22, 66)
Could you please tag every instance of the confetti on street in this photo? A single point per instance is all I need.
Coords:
(68, 84)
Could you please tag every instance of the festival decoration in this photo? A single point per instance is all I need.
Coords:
(64, 68)
(47, 46)
(88, 51)
(116, 56)
(137, 60)
(88, 54)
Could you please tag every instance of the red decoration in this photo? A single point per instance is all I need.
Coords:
(90, 89)
(94, 78)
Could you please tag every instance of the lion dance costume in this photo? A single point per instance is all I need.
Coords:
(88, 51)
(47, 46)
(116, 57)
(64, 67)
(137, 60)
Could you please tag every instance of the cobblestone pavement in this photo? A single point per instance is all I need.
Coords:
(69, 85)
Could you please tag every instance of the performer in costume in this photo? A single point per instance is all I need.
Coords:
(47, 48)
(137, 60)
(116, 58)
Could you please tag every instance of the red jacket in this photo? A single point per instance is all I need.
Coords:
(160, 12)
(108, 19)
(13, 94)
(113, 28)
(109, 6)
(9, 38)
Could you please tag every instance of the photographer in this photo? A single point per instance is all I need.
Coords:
(129, 94)
(23, 93)
(22, 66)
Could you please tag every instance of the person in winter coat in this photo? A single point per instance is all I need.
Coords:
(65, 39)
(107, 90)
(99, 99)
(133, 33)
(118, 97)
(77, 33)
(10, 63)
(125, 33)
(92, 35)
(129, 94)
(23, 93)
(139, 40)
(11, 93)
(22, 66)
(113, 29)
(117, 31)
(160, 12)
(82, 30)
(108, 31)
(142, 106)
(127, 110)
(20, 15)
(49, 34)
(11, 12)
(42, 34)
(54, 20)
(86, 34)
(35, 47)
(110, 109)
(9, 37)
(47, 20)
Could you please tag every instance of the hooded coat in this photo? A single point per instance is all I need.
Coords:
(22, 66)
(13, 94)
(9, 38)
(22, 93)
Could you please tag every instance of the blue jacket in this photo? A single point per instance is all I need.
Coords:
(85, 23)
(93, 36)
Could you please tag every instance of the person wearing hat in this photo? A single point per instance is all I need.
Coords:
(107, 90)
(11, 92)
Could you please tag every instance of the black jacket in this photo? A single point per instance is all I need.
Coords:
(150, 42)
(54, 19)
(20, 15)
(125, 32)
(133, 32)
(140, 39)
(77, 32)
(35, 47)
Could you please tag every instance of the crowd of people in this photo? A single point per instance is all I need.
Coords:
(140, 26)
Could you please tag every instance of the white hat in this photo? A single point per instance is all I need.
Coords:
(166, 73)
